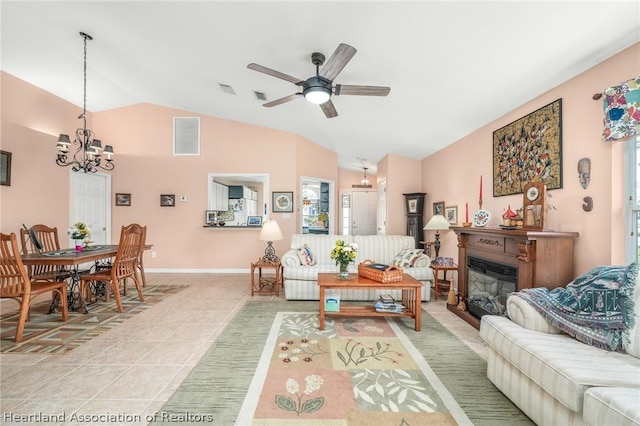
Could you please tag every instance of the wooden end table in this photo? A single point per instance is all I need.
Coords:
(411, 296)
(266, 284)
(441, 286)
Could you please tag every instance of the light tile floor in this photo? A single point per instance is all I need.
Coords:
(133, 369)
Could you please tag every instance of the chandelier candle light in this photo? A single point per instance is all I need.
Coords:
(88, 156)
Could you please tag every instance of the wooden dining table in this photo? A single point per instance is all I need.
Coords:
(72, 259)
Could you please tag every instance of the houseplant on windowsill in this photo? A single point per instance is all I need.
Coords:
(322, 219)
(344, 254)
(80, 233)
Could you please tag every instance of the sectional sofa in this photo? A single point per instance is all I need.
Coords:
(301, 281)
(556, 379)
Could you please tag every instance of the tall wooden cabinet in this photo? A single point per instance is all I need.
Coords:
(414, 203)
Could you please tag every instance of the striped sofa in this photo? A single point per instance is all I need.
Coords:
(301, 282)
(557, 380)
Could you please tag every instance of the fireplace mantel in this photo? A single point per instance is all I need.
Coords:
(543, 258)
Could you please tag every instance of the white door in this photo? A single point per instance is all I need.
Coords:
(382, 207)
(363, 209)
(89, 203)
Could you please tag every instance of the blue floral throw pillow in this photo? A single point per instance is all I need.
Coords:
(305, 256)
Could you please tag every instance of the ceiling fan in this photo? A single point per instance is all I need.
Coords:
(319, 88)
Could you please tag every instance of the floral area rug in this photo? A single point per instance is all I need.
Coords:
(358, 371)
(45, 333)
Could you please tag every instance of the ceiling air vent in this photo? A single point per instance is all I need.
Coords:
(260, 96)
(186, 136)
(227, 89)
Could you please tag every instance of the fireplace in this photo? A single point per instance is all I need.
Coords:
(488, 286)
(501, 261)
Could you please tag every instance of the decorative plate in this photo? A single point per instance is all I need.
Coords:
(283, 202)
(481, 217)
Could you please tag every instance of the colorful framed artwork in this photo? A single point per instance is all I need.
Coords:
(438, 208)
(529, 150)
(282, 202)
(451, 213)
(123, 199)
(167, 200)
(5, 168)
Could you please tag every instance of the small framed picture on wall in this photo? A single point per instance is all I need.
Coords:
(438, 208)
(5, 168)
(451, 213)
(167, 200)
(123, 199)
(282, 202)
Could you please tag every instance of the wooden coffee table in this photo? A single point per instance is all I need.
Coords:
(411, 295)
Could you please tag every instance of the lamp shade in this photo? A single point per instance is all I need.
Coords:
(437, 222)
(270, 231)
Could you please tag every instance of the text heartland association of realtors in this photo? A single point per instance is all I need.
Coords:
(119, 418)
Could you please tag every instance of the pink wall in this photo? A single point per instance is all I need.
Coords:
(452, 174)
(403, 176)
(145, 167)
(31, 122)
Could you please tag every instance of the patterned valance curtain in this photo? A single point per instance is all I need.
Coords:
(622, 111)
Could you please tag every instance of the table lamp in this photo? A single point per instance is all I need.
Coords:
(436, 223)
(270, 232)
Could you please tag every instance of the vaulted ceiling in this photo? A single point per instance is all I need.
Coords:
(452, 66)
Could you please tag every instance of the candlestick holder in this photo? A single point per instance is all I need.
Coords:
(466, 224)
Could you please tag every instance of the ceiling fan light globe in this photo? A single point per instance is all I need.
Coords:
(317, 95)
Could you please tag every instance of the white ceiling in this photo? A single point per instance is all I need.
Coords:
(452, 66)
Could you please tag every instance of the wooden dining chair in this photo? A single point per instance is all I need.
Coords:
(42, 238)
(124, 265)
(15, 282)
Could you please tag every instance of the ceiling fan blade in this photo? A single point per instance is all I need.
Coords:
(274, 73)
(282, 100)
(347, 89)
(328, 109)
(337, 61)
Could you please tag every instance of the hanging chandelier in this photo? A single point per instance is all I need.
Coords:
(89, 155)
(364, 182)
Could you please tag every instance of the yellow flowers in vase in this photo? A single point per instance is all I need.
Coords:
(344, 254)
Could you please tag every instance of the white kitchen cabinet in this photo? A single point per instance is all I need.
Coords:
(218, 196)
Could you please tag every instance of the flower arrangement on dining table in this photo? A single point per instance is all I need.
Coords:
(344, 254)
(79, 231)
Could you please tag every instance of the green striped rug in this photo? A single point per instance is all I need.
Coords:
(217, 387)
